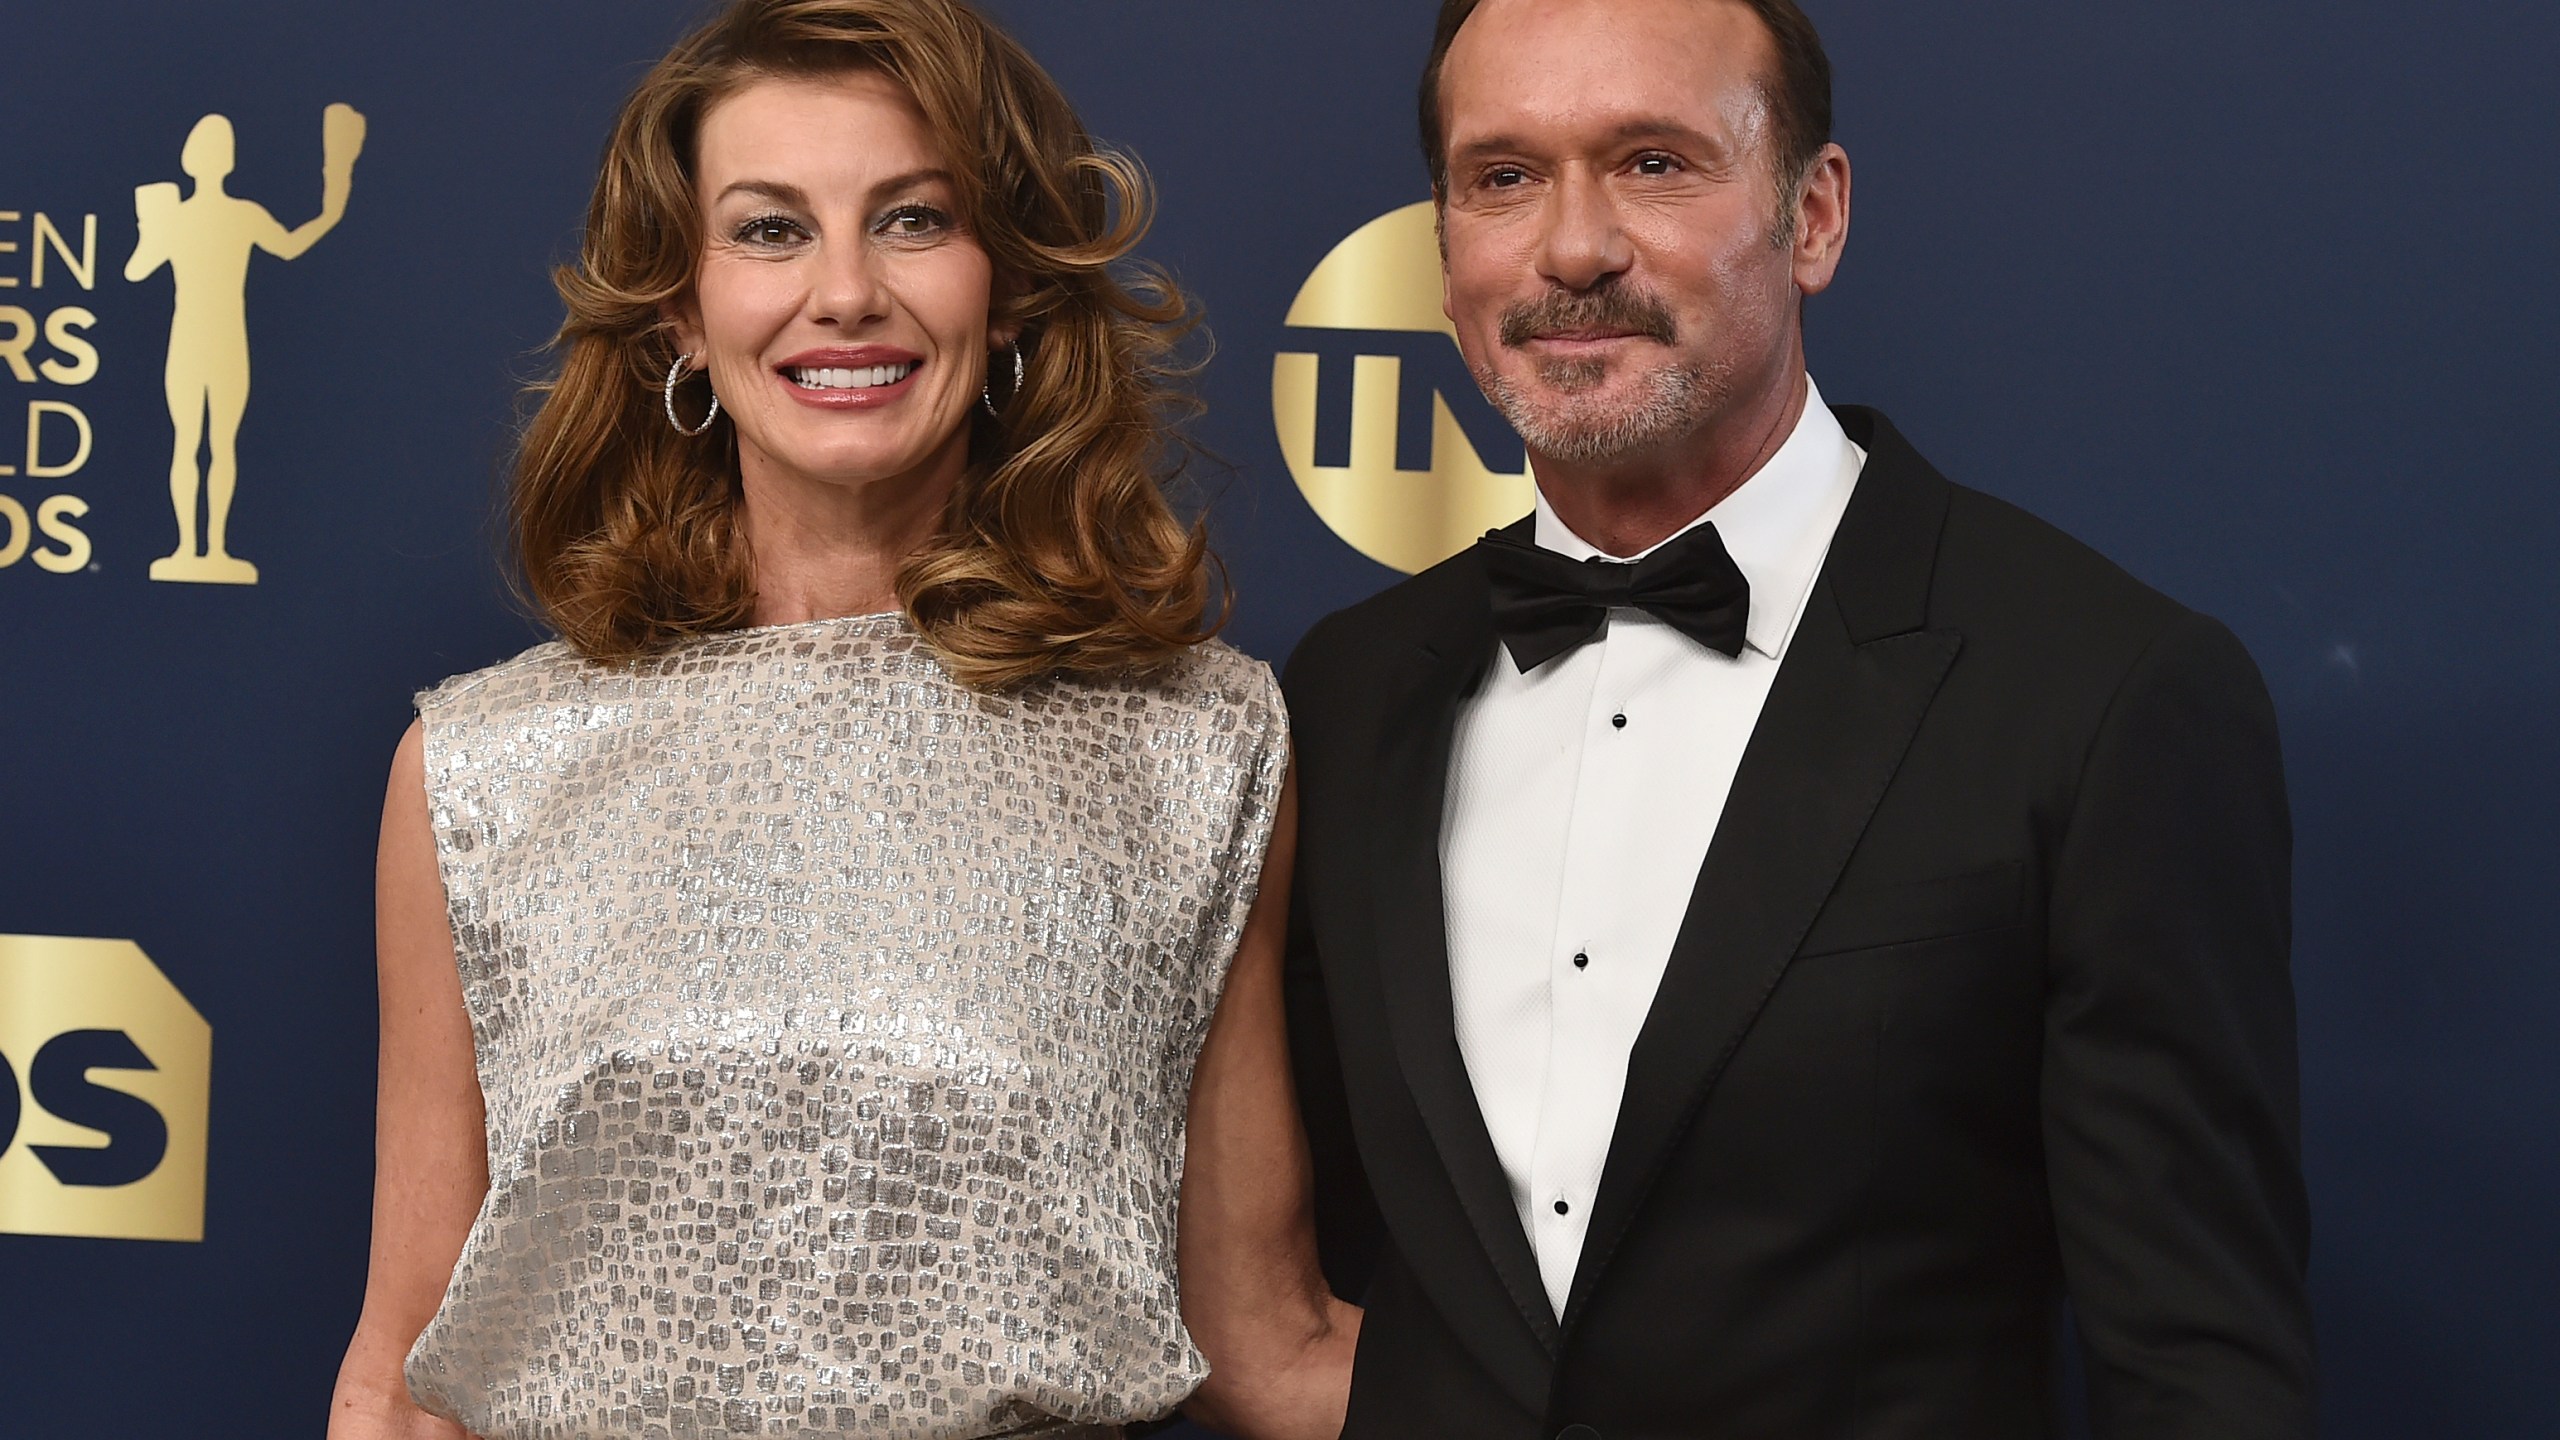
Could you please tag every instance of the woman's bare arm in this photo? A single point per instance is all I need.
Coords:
(1279, 1344)
(430, 1156)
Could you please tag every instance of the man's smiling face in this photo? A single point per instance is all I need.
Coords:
(1618, 254)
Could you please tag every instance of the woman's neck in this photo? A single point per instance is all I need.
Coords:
(825, 550)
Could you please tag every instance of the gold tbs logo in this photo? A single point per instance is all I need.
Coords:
(1402, 495)
(104, 1090)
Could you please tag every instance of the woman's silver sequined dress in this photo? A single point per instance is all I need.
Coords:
(836, 1027)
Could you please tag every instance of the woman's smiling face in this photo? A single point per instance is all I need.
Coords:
(842, 308)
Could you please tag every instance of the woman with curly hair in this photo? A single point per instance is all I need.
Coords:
(831, 989)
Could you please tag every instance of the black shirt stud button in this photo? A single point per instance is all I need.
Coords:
(1563, 1208)
(1582, 961)
(1621, 722)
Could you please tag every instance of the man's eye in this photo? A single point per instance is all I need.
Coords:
(1656, 165)
(1503, 177)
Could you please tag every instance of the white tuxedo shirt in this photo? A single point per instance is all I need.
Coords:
(1582, 797)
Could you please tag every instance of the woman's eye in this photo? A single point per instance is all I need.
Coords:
(910, 222)
(770, 230)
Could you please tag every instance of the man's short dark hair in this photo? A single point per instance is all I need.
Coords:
(1799, 92)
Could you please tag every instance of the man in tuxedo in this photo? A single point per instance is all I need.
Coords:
(1774, 928)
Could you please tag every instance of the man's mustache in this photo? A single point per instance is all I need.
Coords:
(1614, 309)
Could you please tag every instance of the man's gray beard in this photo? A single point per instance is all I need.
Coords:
(1578, 429)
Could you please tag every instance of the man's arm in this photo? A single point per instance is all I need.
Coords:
(2171, 1114)
(1348, 1226)
(1349, 1229)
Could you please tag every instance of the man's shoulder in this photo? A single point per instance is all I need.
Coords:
(1988, 562)
(1388, 628)
(1996, 550)
(2047, 606)
(2049, 610)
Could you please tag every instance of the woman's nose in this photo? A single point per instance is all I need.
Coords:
(845, 288)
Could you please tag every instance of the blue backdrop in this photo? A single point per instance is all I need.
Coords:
(2251, 296)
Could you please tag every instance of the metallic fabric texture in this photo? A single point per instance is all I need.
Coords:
(836, 1027)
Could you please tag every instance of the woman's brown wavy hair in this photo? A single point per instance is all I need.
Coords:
(1060, 553)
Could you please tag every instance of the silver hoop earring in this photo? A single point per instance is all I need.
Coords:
(676, 373)
(990, 394)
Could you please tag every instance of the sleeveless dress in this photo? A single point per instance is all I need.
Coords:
(836, 1027)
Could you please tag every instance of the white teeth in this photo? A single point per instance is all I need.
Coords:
(871, 377)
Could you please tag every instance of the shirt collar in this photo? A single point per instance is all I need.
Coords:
(1777, 526)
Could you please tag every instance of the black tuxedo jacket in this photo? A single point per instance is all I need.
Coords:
(1982, 1001)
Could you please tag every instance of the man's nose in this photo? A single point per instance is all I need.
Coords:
(1583, 244)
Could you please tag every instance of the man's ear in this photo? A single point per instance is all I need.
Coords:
(1822, 220)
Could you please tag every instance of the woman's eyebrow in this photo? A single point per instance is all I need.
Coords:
(931, 174)
(773, 190)
(783, 193)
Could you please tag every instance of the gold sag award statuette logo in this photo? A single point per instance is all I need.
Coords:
(206, 240)
(1386, 277)
(105, 1072)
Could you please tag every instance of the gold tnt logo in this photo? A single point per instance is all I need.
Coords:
(97, 1046)
(1386, 277)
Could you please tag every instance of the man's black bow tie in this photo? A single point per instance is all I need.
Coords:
(1545, 604)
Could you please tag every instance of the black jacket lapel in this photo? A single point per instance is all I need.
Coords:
(1413, 942)
(1857, 678)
